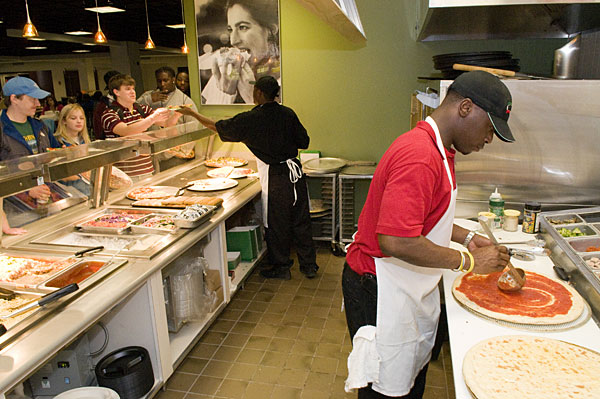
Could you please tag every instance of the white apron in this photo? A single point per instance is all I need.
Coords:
(263, 175)
(408, 307)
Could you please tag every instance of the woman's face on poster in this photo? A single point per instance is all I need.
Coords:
(247, 34)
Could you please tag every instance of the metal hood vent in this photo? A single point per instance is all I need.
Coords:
(504, 19)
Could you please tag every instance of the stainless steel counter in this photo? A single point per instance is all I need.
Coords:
(30, 351)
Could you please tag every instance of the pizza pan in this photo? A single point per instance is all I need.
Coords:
(324, 165)
(582, 319)
(160, 192)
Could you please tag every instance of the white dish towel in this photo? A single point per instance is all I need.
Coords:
(363, 361)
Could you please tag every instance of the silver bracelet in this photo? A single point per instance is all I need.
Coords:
(468, 238)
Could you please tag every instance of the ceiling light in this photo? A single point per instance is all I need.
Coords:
(99, 36)
(29, 30)
(78, 33)
(184, 49)
(177, 26)
(105, 9)
(36, 48)
(149, 43)
(81, 51)
(37, 39)
(89, 44)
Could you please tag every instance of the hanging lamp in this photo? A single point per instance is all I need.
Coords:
(99, 36)
(184, 49)
(29, 29)
(149, 43)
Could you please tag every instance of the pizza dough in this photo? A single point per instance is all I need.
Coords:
(542, 301)
(528, 367)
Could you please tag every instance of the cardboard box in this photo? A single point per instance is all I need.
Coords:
(307, 155)
(213, 279)
(243, 239)
(233, 260)
(219, 300)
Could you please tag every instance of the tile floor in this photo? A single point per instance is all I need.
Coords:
(283, 340)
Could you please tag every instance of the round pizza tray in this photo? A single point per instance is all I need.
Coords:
(582, 319)
(212, 184)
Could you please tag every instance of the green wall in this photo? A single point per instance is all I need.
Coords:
(355, 99)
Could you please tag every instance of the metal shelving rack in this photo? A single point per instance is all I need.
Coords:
(347, 197)
(325, 225)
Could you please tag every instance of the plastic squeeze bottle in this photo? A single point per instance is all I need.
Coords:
(496, 204)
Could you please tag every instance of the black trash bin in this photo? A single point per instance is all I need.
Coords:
(128, 371)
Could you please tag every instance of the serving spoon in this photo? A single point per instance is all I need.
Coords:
(511, 280)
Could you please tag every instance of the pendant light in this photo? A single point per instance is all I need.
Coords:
(99, 35)
(29, 29)
(184, 49)
(149, 43)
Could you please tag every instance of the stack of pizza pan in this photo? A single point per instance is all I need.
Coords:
(488, 59)
(543, 304)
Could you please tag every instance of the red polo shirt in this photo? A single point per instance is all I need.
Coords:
(409, 194)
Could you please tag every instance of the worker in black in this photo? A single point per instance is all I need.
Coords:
(274, 134)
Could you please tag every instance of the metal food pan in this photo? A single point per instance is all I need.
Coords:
(585, 229)
(32, 281)
(590, 255)
(21, 298)
(109, 230)
(193, 223)
(590, 217)
(85, 272)
(557, 220)
(580, 244)
(136, 228)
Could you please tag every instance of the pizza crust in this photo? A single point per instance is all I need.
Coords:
(529, 367)
(573, 313)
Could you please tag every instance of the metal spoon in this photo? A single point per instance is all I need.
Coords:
(511, 280)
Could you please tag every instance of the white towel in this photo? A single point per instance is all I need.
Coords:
(363, 361)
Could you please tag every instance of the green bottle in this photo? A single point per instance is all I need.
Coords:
(497, 207)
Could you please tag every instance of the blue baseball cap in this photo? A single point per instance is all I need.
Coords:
(20, 85)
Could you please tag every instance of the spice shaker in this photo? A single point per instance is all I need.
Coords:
(531, 224)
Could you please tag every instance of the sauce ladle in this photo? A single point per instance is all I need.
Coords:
(511, 280)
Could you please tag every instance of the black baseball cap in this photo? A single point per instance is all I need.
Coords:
(268, 85)
(490, 94)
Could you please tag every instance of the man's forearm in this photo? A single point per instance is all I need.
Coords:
(419, 251)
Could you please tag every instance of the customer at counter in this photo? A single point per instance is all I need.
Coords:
(125, 117)
(22, 134)
(274, 134)
(101, 106)
(72, 130)
(390, 279)
(167, 94)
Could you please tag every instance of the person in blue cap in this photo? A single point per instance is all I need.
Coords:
(21, 133)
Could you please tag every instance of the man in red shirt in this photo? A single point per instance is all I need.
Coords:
(394, 265)
(125, 117)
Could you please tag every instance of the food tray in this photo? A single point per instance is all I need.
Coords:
(152, 192)
(587, 230)
(138, 229)
(590, 217)
(580, 244)
(193, 223)
(21, 299)
(564, 219)
(120, 229)
(22, 274)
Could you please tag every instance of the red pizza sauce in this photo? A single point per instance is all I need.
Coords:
(540, 297)
(76, 275)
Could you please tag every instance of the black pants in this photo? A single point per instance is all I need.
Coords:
(360, 302)
(288, 222)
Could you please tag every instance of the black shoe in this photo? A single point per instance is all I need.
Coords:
(309, 271)
(277, 272)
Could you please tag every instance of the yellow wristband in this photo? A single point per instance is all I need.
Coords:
(462, 263)
(472, 264)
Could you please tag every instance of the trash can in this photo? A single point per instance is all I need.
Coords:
(128, 371)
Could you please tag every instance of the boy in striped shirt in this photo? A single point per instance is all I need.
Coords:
(125, 117)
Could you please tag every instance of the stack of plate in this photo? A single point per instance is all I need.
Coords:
(488, 59)
(323, 165)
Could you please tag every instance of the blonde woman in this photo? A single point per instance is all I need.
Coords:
(71, 129)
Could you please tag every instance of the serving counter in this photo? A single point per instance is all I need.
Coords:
(129, 302)
(466, 329)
